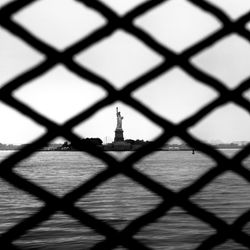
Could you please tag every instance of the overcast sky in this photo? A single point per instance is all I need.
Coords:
(120, 58)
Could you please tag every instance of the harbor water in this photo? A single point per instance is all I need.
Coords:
(120, 200)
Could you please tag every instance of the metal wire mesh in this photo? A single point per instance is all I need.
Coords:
(170, 198)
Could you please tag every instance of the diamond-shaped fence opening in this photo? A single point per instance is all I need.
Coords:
(172, 95)
(119, 248)
(232, 10)
(162, 233)
(59, 232)
(146, 126)
(156, 36)
(229, 120)
(246, 94)
(246, 161)
(59, 172)
(50, 21)
(25, 131)
(119, 201)
(180, 174)
(228, 55)
(230, 245)
(54, 90)
(131, 57)
(16, 61)
(16, 206)
(246, 228)
(4, 2)
(222, 197)
(170, 23)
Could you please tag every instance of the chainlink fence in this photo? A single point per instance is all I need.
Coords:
(114, 237)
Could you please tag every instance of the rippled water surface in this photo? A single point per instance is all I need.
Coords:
(120, 200)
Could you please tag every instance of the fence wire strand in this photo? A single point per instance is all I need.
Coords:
(113, 237)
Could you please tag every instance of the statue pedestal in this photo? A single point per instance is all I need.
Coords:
(118, 135)
(117, 146)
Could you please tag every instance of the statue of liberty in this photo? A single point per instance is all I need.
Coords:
(118, 130)
(119, 119)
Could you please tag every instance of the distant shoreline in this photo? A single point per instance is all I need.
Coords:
(117, 150)
(127, 145)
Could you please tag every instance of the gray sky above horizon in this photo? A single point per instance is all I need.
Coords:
(120, 58)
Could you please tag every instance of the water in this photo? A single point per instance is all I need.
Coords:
(120, 200)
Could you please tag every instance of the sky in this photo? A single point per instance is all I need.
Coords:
(120, 58)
